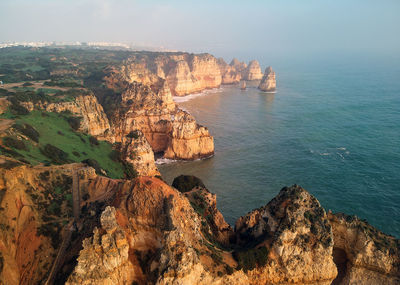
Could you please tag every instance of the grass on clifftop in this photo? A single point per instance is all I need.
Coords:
(59, 140)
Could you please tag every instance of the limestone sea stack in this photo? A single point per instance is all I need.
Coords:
(268, 82)
(253, 71)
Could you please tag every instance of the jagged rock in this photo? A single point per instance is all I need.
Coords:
(253, 71)
(296, 232)
(268, 82)
(239, 66)
(230, 74)
(166, 128)
(138, 152)
(364, 255)
(104, 258)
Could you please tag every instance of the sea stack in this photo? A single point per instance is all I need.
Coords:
(268, 82)
(253, 71)
(243, 85)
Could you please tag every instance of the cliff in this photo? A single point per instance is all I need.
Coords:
(231, 74)
(150, 109)
(181, 238)
(184, 73)
(268, 82)
(94, 120)
(253, 71)
(145, 231)
(364, 255)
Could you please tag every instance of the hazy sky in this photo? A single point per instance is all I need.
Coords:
(220, 27)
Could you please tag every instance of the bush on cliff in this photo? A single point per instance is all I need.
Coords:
(56, 155)
(28, 131)
(185, 183)
(249, 259)
(14, 143)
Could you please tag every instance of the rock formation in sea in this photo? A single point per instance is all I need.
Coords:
(268, 82)
(252, 71)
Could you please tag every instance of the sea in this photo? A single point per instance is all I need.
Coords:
(332, 127)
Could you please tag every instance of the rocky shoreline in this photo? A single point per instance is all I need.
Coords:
(144, 231)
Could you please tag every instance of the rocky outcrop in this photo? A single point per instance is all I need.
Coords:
(363, 254)
(153, 233)
(184, 73)
(136, 150)
(230, 74)
(253, 71)
(94, 120)
(293, 228)
(104, 258)
(268, 82)
(238, 65)
(168, 130)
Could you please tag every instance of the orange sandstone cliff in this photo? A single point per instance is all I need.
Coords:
(144, 231)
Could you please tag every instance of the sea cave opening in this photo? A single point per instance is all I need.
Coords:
(341, 260)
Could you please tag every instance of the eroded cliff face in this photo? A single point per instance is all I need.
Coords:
(177, 238)
(184, 73)
(145, 231)
(168, 130)
(268, 82)
(252, 71)
(231, 74)
(35, 206)
(364, 255)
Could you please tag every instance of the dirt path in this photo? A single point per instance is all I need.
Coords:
(68, 229)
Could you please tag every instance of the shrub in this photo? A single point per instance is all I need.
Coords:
(185, 183)
(93, 141)
(26, 84)
(249, 259)
(93, 163)
(74, 122)
(114, 155)
(129, 171)
(76, 153)
(56, 155)
(133, 135)
(28, 131)
(14, 143)
(17, 109)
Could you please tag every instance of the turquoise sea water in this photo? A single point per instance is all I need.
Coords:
(333, 127)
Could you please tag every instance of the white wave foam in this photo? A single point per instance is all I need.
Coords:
(325, 153)
(340, 155)
(165, 161)
(341, 148)
(180, 99)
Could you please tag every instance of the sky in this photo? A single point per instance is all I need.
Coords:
(220, 27)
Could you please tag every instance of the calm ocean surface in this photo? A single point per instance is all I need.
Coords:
(333, 127)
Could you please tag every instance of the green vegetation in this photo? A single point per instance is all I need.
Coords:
(55, 148)
(185, 183)
(249, 259)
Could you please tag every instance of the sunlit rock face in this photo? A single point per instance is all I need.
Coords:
(168, 130)
(268, 82)
(363, 254)
(253, 71)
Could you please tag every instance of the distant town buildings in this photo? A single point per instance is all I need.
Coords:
(85, 44)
